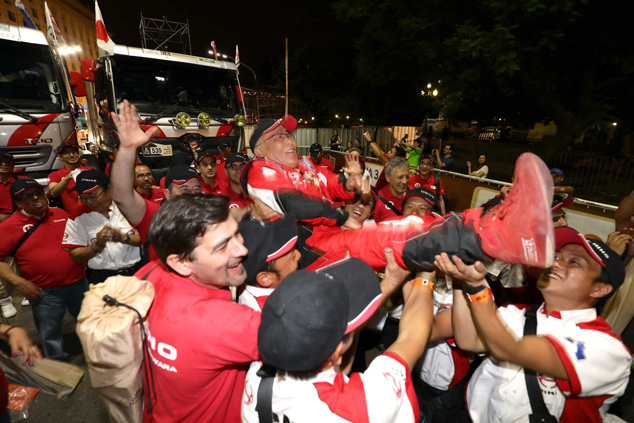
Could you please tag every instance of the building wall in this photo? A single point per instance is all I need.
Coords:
(76, 23)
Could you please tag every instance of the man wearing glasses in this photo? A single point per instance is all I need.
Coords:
(426, 179)
(62, 181)
(50, 279)
(144, 184)
(103, 238)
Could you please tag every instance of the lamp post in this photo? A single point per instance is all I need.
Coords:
(226, 56)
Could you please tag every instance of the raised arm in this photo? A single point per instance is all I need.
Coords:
(376, 150)
(132, 137)
(535, 353)
(623, 217)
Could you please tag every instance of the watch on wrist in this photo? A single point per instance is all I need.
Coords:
(127, 239)
(473, 289)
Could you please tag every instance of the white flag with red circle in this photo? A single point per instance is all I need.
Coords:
(104, 42)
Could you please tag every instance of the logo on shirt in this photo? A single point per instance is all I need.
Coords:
(547, 382)
(416, 185)
(530, 251)
(25, 228)
(393, 383)
(267, 171)
(59, 220)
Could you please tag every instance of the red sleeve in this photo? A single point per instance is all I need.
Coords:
(336, 187)
(9, 238)
(54, 177)
(150, 209)
(242, 348)
(441, 189)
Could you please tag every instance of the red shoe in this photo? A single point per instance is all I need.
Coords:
(520, 229)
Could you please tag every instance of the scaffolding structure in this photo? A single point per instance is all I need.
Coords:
(267, 104)
(162, 34)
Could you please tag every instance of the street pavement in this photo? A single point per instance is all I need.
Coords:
(83, 405)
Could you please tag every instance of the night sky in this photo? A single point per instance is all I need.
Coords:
(258, 27)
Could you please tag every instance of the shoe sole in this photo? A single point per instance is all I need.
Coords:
(539, 172)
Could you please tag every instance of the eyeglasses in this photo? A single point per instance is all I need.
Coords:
(26, 195)
(83, 197)
(144, 175)
(280, 136)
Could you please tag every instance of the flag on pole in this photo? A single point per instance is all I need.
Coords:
(52, 30)
(213, 46)
(104, 42)
(237, 57)
(27, 19)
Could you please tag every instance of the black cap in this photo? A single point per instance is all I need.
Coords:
(308, 314)
(235, 157)
(6, 154)
(208, 152)
(315, 149)
(22, 184)
(422, 192)
(493, 202)
(268, 125)
(266, 242)
(65, 146)
(224, 145)
(179, 175)
(598, 250)
(89, 180)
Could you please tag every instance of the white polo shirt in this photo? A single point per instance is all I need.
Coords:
(82, 231)
(597, 363)
(254, 297)
(383, 393)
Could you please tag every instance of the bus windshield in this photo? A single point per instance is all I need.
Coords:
(30, 79)
(155, 85)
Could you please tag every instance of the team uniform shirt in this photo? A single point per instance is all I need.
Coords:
(70, 199)
(156, 195)
(443, 364)
(323, 164)
(236, 199)
(254, 297)
(144, 225)
(218, 188)
(597, 363)
(6, 203)
(383, 393)
(381, 210)
(41, 258)
(201, 344)
(82, 232)
(417, 181)
(221, 173)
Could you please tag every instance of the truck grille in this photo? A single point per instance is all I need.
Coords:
(29, 156)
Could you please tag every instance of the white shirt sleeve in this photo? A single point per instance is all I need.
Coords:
(75, 235)
(389, 391)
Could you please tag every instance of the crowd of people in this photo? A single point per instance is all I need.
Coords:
(482, 315)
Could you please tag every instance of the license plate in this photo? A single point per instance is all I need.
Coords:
(157, 150)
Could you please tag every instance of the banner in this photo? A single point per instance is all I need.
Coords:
(27, 19)
(52, 30)
(104, 42)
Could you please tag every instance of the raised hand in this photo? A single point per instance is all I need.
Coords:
(473, 274)
(130, 133)
(353, 167)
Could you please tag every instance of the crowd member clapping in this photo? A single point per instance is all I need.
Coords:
(102, 238)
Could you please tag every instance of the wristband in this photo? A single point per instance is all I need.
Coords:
(6, 332)
(481, 296)
(424, 282)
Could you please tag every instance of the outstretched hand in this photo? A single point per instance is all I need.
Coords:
(127, 122)
(473, 274)
(353, 166)
(393, 271)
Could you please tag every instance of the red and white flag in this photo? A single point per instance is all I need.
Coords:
(213, 46)
(237, 57)
(52, 30)
(104, 42)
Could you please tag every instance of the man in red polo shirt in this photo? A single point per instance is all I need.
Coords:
(202, 343)
(206, 166)
(225, 150)
(144, 184)
(390, 197)
(426, 179)
(317, 159)
(61, 182)
(234, 165)
(50, 279)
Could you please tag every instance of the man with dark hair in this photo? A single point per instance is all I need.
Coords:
(446, 161)
(419, 201)
(307, 325)
(62, 181)
(414, 150)
(225, 150)
(208, 169)
(103, 238)
(49, 278)
(234, 164)
(144, 184)
(426, 179)
(317, 158)
(390, 197)
(202, 343)
(581, 366)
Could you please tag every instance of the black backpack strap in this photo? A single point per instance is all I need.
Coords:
(437, 184)
(389, 205)
(265, 395)
(540, 412)
(25, 237)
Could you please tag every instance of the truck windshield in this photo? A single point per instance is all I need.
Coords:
(29, 78)
(154, 85)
